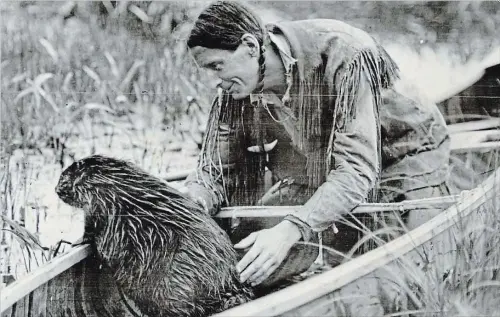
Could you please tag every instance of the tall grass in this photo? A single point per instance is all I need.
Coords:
(71, 88)
(469, 27)
(456, 273)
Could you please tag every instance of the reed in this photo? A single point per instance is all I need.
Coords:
(71, 89)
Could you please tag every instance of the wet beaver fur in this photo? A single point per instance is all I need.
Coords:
(167, 255)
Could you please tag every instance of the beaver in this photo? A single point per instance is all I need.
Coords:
(166, 253)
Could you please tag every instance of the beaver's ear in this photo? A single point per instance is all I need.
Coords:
(78, 165)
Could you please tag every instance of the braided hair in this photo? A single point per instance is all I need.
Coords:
(262, 67)
(222, 25)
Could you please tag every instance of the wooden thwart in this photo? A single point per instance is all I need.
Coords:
(299, 294)
(178, 176)
(477, 147)
(282, 211)
(474, 125)
(467, 140)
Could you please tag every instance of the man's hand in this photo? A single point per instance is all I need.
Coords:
(198, 198)
(269, 248)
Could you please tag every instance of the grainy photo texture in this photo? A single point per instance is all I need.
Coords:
(249, 158)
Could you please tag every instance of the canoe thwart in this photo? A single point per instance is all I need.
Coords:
(365, 208)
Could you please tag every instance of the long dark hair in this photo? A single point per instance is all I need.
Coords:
(221, 26)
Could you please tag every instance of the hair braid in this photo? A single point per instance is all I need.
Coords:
(262, 62)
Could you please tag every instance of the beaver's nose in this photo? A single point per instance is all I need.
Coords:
(59, 189)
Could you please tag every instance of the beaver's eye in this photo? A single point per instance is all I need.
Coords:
(64, 179)
(78, 179)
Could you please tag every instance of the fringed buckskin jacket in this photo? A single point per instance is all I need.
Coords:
(349, 128)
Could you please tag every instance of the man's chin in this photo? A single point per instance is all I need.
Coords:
(239, 93)
(238, 96)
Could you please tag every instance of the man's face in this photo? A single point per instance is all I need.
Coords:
(237, 71)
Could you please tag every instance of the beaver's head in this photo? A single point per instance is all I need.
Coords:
(105, 187)
(91, 178)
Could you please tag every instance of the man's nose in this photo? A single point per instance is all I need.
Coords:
(218, 83)
(225, 85)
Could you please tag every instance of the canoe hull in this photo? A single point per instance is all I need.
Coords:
(84, 290)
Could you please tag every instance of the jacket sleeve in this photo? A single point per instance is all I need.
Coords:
(355, 167)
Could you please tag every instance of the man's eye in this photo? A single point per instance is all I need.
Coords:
(215, 66)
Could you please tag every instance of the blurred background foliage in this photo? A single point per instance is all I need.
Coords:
(468, 25)
(471, 26)
(115, 53)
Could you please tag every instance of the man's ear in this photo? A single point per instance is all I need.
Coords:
(251, 43)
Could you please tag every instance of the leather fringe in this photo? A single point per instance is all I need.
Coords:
(381, 72)
(308, 108)
(246, 175)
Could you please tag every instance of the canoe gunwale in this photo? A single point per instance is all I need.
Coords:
(23, 287)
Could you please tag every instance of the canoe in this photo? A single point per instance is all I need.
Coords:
(68, 285)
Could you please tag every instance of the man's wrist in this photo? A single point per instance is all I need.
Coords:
(303, 228)
(293, 230)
